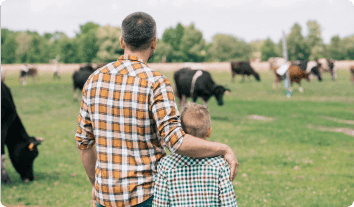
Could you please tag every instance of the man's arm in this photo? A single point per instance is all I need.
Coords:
(88, 158)
(200, 148)
(85, 140)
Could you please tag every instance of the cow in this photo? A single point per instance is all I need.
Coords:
(30, 71)
(242, 68)
(296, 75)
(328, 65)
(275, 62)
(80, 77)
(309, 66)
(197, 83)
(21, 147)
(352, 72)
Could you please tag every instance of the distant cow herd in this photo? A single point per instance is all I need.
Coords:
(189, 83)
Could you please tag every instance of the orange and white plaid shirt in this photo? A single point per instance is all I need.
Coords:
(129, 111)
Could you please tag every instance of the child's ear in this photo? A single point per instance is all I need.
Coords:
(209, 132)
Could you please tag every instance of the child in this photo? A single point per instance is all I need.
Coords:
(187, 181)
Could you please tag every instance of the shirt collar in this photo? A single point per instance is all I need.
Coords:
(130, 57)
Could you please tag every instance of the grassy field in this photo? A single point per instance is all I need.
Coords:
(289, 156)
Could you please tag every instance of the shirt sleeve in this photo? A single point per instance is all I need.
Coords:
(161, 195)
(165, 113)
(84, 135)
(226, 191)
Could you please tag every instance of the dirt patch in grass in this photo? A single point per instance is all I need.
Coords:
(339, 120)
(347, 131)
(262, 118)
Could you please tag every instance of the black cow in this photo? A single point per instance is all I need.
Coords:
(243, 68)
(22, 148)
(197, 83)
(80, 77)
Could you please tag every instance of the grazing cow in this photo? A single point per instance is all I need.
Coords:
(80, 77)
(197, 83)
(296, 75)
(243, 68)
(275, 62)
(22, 148)
(328, 65)
(30, 71)
(309, 66)
(352, 72)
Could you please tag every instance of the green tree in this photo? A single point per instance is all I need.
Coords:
(34, 52)
(268, 50)
(174, 36)
(335, 50)
(69, 51)
(279, 48)
(109, 48)
(88, 27)
(347, 43)
(193, 44)
(314, 40)
(24, 42)
(162, 49)
(88, 47)
(228, 48)
(8, 49)
(296, 44)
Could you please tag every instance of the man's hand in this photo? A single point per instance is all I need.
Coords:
(94, 204)
(232, 160)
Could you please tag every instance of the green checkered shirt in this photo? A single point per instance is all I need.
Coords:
(186, 182)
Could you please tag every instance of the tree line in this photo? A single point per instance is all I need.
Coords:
(100, 44)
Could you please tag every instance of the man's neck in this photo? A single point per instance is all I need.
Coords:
(144, 55)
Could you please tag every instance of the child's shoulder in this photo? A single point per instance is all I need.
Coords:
(217, 161)
(170, 161)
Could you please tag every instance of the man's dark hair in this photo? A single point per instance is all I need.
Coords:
(138, 31)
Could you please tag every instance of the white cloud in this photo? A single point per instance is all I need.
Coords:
(352, 1)
(42, 5)
(115, 6)
(279, 3)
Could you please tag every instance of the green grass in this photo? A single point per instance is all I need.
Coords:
(269, 152)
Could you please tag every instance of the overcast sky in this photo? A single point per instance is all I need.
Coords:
(246, 19)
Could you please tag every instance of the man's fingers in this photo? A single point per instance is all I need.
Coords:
(233, 171)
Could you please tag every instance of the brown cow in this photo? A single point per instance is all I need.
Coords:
(352, 72)
(296, 75)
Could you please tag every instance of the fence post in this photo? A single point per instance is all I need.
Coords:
(287, 79)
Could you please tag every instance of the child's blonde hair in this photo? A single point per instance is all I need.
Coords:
(195, 120)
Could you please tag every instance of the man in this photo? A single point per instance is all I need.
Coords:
(56, 69)
(129, 112)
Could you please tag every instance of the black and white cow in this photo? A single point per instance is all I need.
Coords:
(197, 83)
(328, 65)
(243, 68)
(21, 147)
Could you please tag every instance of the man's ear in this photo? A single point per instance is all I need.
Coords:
(154, 43)
(122, 43)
